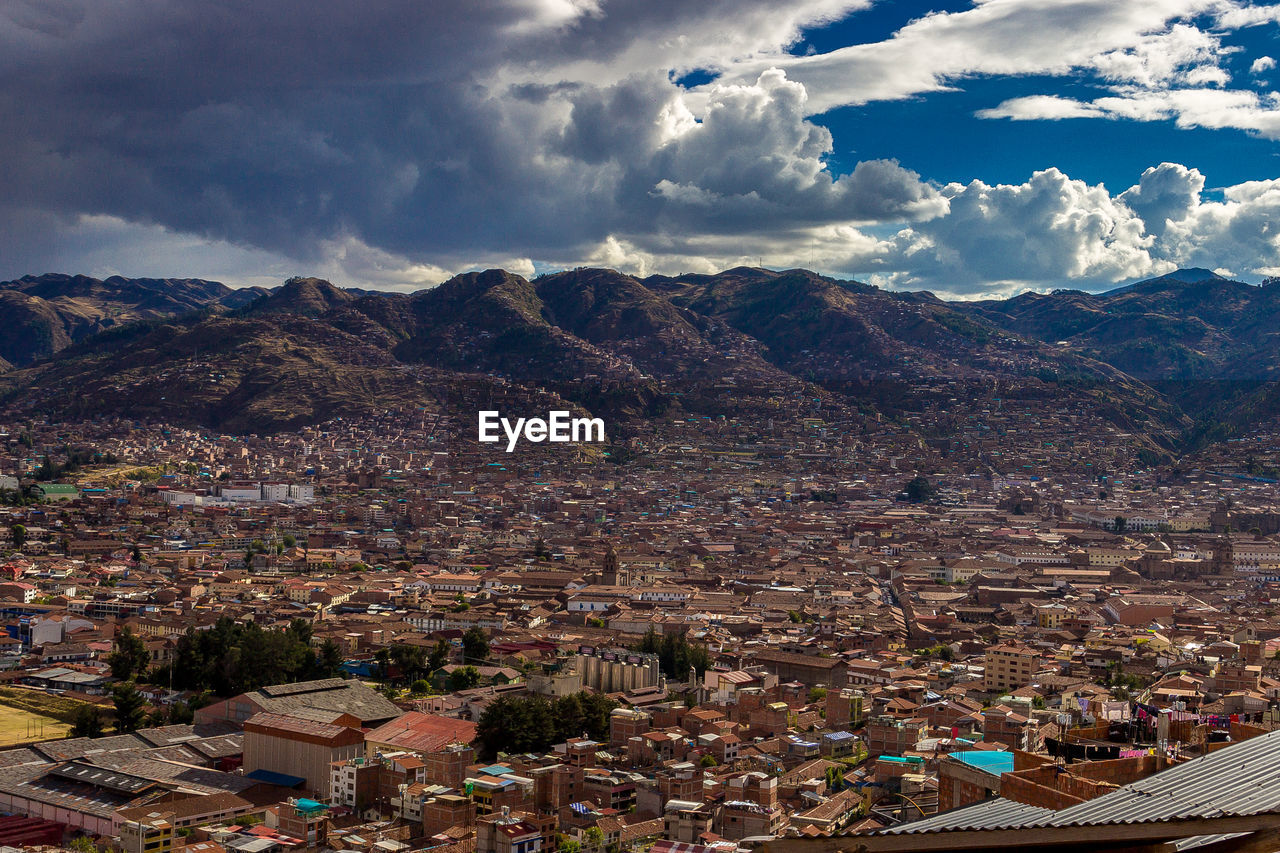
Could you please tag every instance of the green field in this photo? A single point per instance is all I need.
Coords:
(30, 715)
(18, 727)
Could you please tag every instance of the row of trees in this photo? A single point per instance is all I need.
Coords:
(406, 664)
(234, 657)
(130, 713)
(533, 723)
(675, 653)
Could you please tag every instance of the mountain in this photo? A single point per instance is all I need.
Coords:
(741, 342)
(1209, 345)
(45, 314)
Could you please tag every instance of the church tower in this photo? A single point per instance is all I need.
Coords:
(611, 574)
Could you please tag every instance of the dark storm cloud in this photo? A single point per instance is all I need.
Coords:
(420, 128)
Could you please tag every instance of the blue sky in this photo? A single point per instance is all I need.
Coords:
(960, 146)
(970, 148)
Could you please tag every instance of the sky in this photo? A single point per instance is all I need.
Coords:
(974, 149)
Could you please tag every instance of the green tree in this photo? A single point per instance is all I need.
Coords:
(421, 687)
(439, 655)
(300, 630)
(237, 657)
(181, 713)
(708, 760)
(593, 838)
(130, 658)
(516, 724)
(533, 723)
(1121, 523)
(289, 540)
(475, 645)
(382, 657)
(83, 844)
(920, 490)
(328, 660)
(835, 778)
(19, 535)
(568, 845)
(130, 707)
(87, 722)
(463, 678)
(675, 653)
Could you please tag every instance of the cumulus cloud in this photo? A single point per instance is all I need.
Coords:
(1051, 227)
(1165, 193)
(394, 144)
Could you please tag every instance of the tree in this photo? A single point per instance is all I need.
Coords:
(463, 678)
(532, 723)
(238, 657)
(181, 713)
(328, 660)
(83, 844)
(300, 630)
(593, 837)
(708, 760)
(1121, 523)
(289, 541)
(475, 645)
(920, 490)
(87, 722)
(130, 658)
(421, 687)
(130, 707)
(439, 655)
(19, 535)
(568, 845)
(675, 653)
(383, 659)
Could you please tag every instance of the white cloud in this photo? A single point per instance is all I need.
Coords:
(1164, 193)
(1050, 228)
(1146, 42)
(394, 144)
(1262, 65)
(1050, 107)
(1243, 229)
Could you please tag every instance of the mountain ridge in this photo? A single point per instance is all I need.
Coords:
(613, 342)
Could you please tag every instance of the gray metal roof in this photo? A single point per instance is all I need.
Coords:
(1236, 781)
(995, 813)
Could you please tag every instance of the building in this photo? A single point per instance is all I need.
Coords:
(616, 670)
(421, 733)
(300, 749)
(1008, 667)
(508, 832)
(332, 696)
(150, 834)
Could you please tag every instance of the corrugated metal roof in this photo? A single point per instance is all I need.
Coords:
(1195, 842)
(1238, 780)
(995, 813)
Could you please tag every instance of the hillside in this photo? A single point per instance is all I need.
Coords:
(736, 342)
(45, 314)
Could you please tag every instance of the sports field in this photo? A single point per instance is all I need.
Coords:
(31, 715)
(23, 726)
